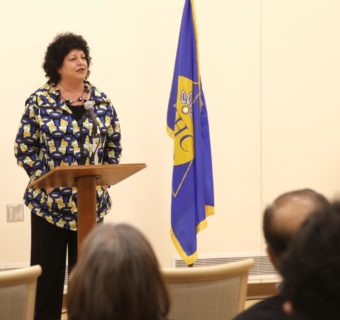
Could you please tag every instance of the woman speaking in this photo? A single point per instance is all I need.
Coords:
(66, 122)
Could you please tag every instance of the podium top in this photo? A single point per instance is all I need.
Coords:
(106, 175)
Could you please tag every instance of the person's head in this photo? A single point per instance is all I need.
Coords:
(311, 269)
(283, 218)
(117, 277)
(67, 56)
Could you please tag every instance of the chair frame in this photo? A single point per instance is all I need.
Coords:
(23, 276)
(212, 273)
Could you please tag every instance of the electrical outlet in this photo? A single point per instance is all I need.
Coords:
(15, 212)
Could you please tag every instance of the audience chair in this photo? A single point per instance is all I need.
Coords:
(207, 293)
(18, 292)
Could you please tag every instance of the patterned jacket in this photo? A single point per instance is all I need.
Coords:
(50, 136)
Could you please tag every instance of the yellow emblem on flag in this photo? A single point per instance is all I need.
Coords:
(184, 129)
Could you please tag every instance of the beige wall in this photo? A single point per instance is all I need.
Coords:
(270, 72)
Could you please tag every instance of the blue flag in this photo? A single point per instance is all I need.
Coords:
(187, 122)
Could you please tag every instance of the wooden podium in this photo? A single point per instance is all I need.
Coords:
(85, 179)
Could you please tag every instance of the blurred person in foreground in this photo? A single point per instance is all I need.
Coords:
(117, 277)
(281, 221)
(311, 268)
(66, 122)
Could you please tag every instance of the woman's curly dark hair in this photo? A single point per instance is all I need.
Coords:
(59, 49)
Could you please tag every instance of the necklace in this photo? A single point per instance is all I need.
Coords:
(71, 102)
(81, 98)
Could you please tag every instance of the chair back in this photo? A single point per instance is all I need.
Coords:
(207, 293)
(18, 292)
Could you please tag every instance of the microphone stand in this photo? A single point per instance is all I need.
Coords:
(81, 139)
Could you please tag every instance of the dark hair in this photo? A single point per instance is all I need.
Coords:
(117, 277)
(59, 49)
(276, 238)
(311, 267)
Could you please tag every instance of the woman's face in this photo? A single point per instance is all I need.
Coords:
(74, 66)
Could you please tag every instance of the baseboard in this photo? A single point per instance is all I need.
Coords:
(261, 290)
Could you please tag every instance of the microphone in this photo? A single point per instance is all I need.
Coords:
(88, 105)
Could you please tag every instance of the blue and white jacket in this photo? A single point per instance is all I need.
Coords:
(49, 136)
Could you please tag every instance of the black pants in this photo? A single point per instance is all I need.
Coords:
(49, 245)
